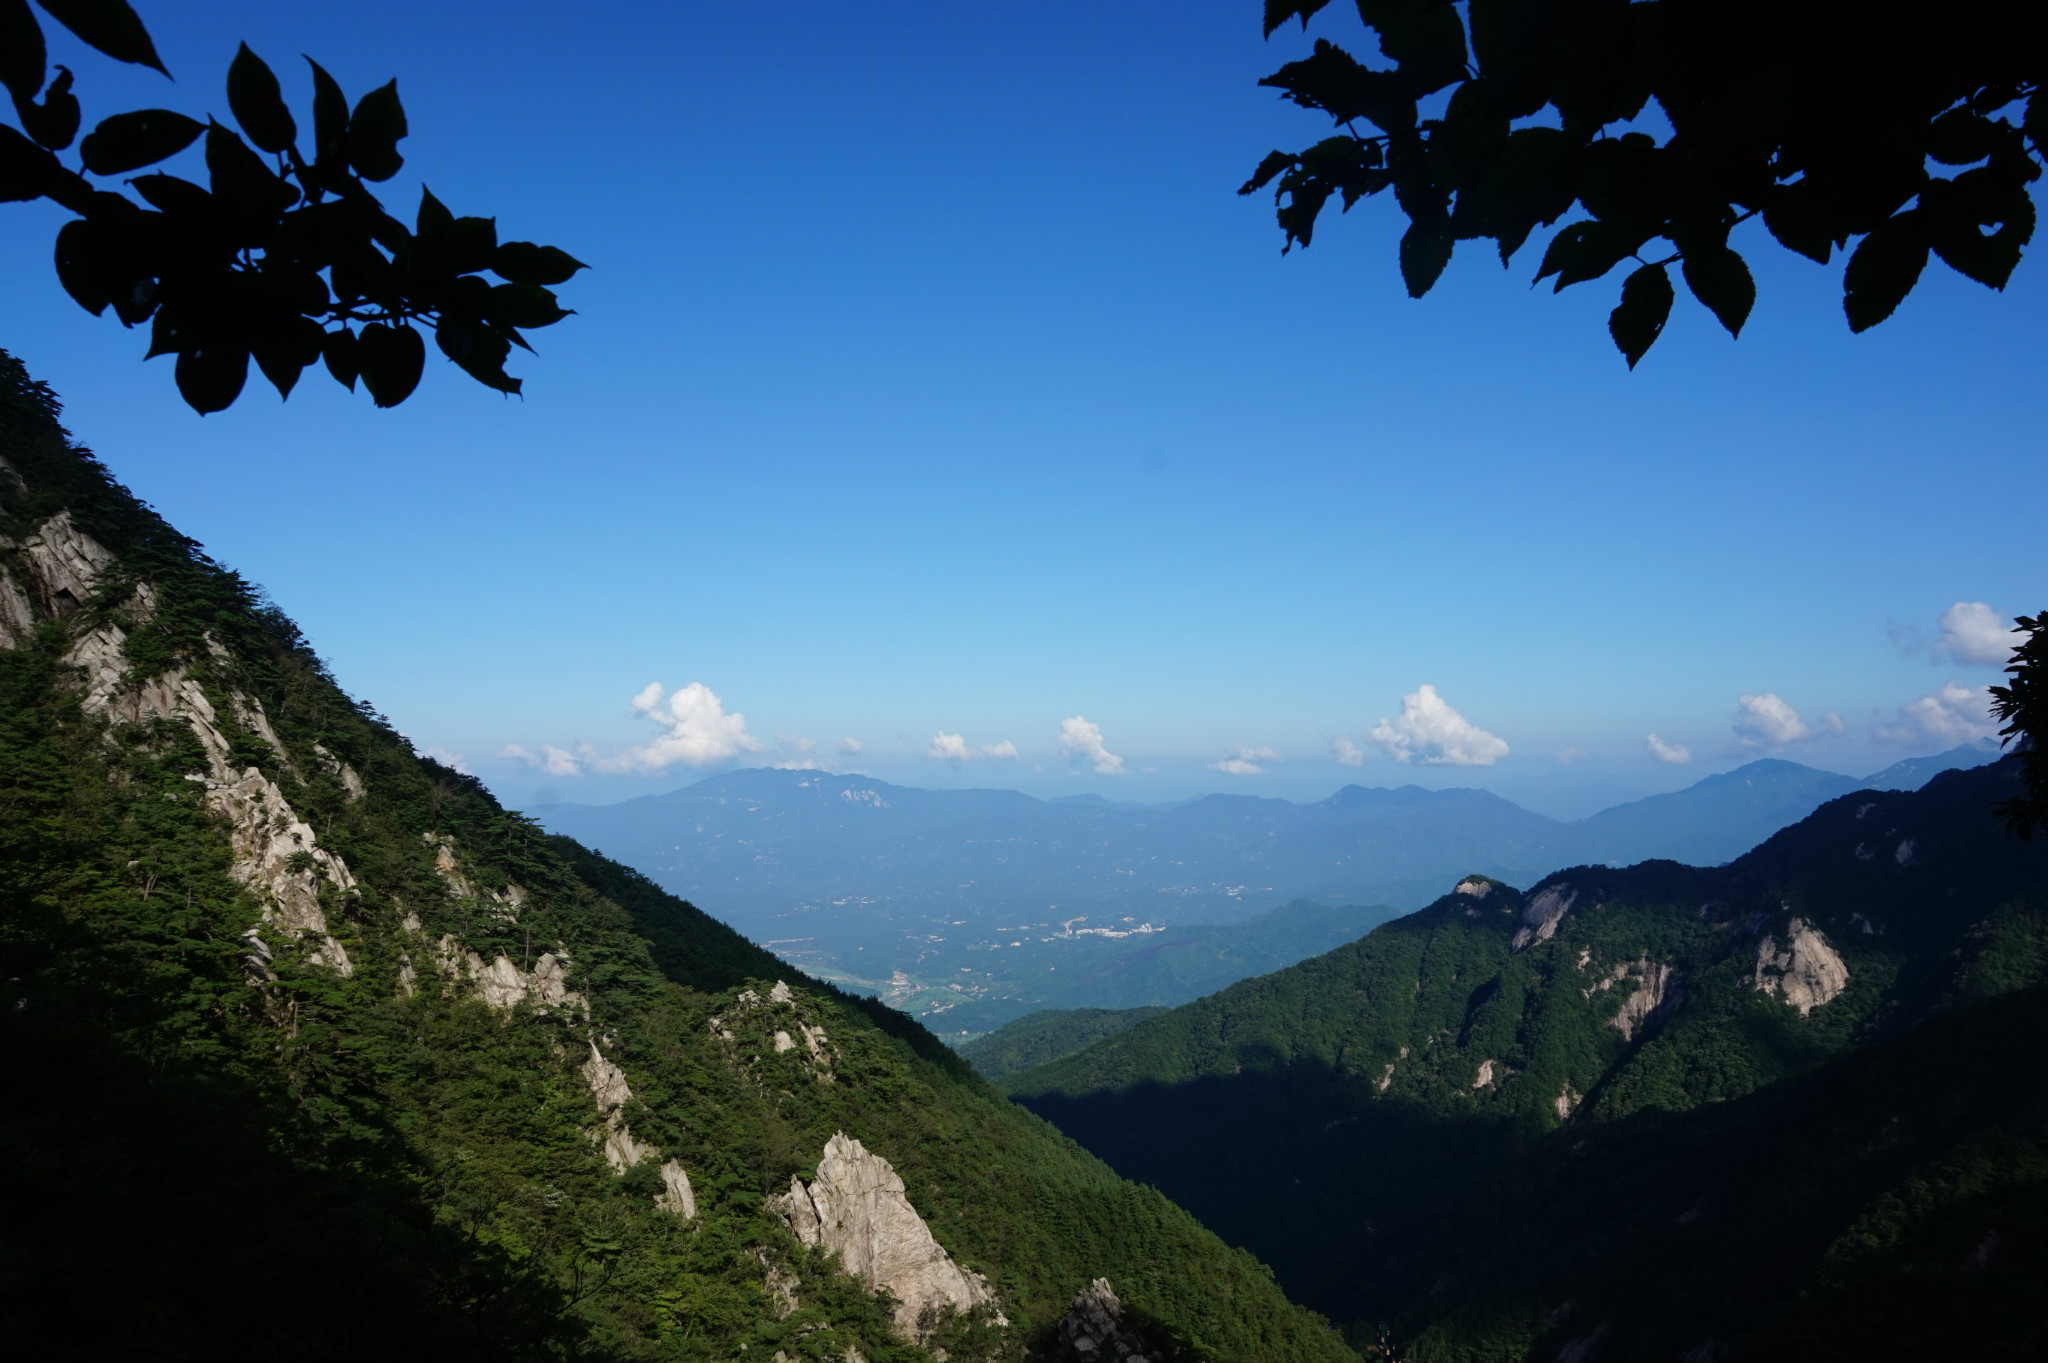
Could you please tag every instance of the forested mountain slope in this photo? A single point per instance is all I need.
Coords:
(1658, 1112)
(311, 1051)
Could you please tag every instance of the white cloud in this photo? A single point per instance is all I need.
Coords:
(695, 732)
(1569, 756)
(1955, 714)
(1430, 729)
(1972, 632)
(849, 747)
(1347, 752)
(447, 758)
(1767, 722)
(550, 759)
(1677, 754)
(1079, 738)
(947, 747)
(1243, 761)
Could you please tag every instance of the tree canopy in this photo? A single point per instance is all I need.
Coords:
(285, 255)
(1653, 128)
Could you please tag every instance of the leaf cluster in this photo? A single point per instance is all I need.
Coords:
(1493, 118)
(2023, 706)
(285, 255)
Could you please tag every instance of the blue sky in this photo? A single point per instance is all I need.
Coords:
(930, 378)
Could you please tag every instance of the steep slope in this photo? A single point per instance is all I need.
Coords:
(1713, 820)
(1366, 1120)
(313, 1051)
(1037, 1038)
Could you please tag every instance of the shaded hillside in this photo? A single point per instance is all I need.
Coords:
(1039, 1037)
(311, 1051)
(1369, 1120)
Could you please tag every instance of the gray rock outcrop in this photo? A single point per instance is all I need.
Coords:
(1094, 1329)
(1542, 913)
(856, 1208)
(1807, 974)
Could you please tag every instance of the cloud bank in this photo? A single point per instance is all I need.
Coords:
(695, 731)
(1677, 754)
(1347, 752)
(1972, 632)
(1431, 730)
(1244, 761)
(1083, 740)
(1952, 715)
(947, 747)
(1765, 723)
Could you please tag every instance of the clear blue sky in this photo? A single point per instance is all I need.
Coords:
(931, 378)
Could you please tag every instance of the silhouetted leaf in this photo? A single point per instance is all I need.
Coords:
(374, 131)
(54, 121)
(338, 349)
(81, 264)
(1883, 270)
(211, 374)
(131, 141)
(1794, 215)
(1425, 37)
(1279, 12)
(1275, 162)
(1425, 250)
(241, 181)
(108, 25)
(391, 359)
(283, 344)
(522, 262)
(1720, 278)
(24, 167)
(523, 305)
(1645, 306)
(473, 244)
(21, 50)
(1961, 138)
(1585, 250)
(173, 195)
(1330, 79)
(479, 349)
(1956, 212)
(330, 127)
(257, 104)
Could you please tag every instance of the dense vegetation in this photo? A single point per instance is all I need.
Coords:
(1445, 1127)
(1047, 1035)
(215, 1144)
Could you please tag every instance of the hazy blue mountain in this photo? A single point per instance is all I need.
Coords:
(1789, 1107)
(1916, 772)
(988, 904)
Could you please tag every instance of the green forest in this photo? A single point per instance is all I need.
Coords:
(1512, 1122)
(304, 1035)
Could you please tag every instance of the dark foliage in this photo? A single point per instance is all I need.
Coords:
(285, 256)
(1437, 1128)
(1659, 127)
(2023, 705)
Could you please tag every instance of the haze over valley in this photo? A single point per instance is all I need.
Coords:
(970, 907)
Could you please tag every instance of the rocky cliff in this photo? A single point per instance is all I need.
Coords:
(312, 1050)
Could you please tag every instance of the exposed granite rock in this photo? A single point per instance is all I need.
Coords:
(857, 1209)
(676, 1196)
(1485, 1075)
(502, 984)
(1094, 1329)
(65, 564)
(1656, 993)
(1808, 973)
(1542, 913)
(608, 1086)
(17, 617)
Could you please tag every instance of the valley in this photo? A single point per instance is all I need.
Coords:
(971, 908)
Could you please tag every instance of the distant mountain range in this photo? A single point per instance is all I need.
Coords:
(939, 899)
(1787, 1108)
